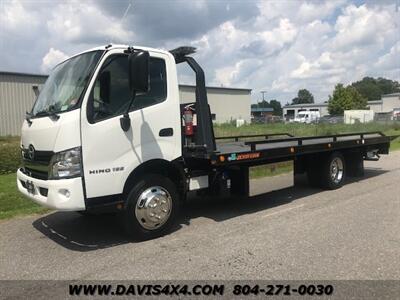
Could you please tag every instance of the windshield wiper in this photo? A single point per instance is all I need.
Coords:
(28, 117)
(48, 112)
(42, 113)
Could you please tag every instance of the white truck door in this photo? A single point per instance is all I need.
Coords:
(110, 154)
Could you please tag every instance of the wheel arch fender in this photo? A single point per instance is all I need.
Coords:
(174, 170)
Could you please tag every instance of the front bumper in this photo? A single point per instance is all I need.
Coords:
(62, 194)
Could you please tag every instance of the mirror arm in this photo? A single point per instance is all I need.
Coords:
(125, 120)
(131, 103)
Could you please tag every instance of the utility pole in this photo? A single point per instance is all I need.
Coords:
(263, 98)
(263, 94)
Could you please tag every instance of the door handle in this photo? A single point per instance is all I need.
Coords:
(166, 132)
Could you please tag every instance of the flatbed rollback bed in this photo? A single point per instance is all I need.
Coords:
(268, 150)
(313, 155)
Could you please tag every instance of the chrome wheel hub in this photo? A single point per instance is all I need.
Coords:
(153, 207)
(336, 170)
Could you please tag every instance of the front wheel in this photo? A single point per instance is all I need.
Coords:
(152, 207)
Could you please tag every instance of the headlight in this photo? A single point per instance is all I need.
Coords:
(66, 164)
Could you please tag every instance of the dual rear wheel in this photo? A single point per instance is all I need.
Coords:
(327, 171)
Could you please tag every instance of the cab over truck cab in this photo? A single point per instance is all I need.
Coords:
(107, 133)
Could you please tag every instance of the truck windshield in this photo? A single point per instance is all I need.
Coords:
(63, 88)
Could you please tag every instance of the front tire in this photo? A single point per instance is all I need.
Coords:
(152, 207)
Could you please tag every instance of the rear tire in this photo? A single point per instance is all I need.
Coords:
(333, 172)
(152, 207)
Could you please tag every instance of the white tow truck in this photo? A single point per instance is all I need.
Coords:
(107, 133)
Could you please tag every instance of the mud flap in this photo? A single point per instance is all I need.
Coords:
(355, 164)
(239, 181)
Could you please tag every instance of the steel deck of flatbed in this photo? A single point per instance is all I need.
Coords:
(242, 150)
(245, 146)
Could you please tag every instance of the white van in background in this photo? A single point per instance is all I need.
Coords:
(307, 117)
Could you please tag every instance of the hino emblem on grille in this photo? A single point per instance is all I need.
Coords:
(31, 152)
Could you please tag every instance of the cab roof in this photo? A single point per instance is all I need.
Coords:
(119, 46)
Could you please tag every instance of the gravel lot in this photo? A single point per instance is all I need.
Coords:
(298, 233)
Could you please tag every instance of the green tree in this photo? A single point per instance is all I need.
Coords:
(263, 104)
(276, 105)
(345, 98)
(303, 96)
(358, 100)
(373, 89)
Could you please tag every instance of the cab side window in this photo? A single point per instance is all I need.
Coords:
(111, 96)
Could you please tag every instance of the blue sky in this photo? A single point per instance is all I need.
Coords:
(274, 46)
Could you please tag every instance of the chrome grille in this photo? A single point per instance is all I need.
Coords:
(38, 166)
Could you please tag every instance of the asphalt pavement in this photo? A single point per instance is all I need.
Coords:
(297, 233)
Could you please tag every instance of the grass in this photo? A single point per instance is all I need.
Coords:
(10, 154)
(395, 145)
(392, 128)
(303, 130)
(306, 129)
(269, 170)
(12, 202)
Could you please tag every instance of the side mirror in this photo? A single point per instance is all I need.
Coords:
(139, 72)
(125, 122)
(139, 79)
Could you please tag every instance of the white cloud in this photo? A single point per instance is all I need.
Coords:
(345, 51)
(316, 29)
(310, 11)
(279, 37)
(14, 16)
(390, 60)
(388, 65)
(277, 46)
(304, 50)
(83, 22)
(300, 12)
(237, 75)
(225, 76)
(362, 26)
(322, 67)
(51, 59)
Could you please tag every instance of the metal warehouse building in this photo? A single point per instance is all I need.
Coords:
(17, 95)
(226, 104)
